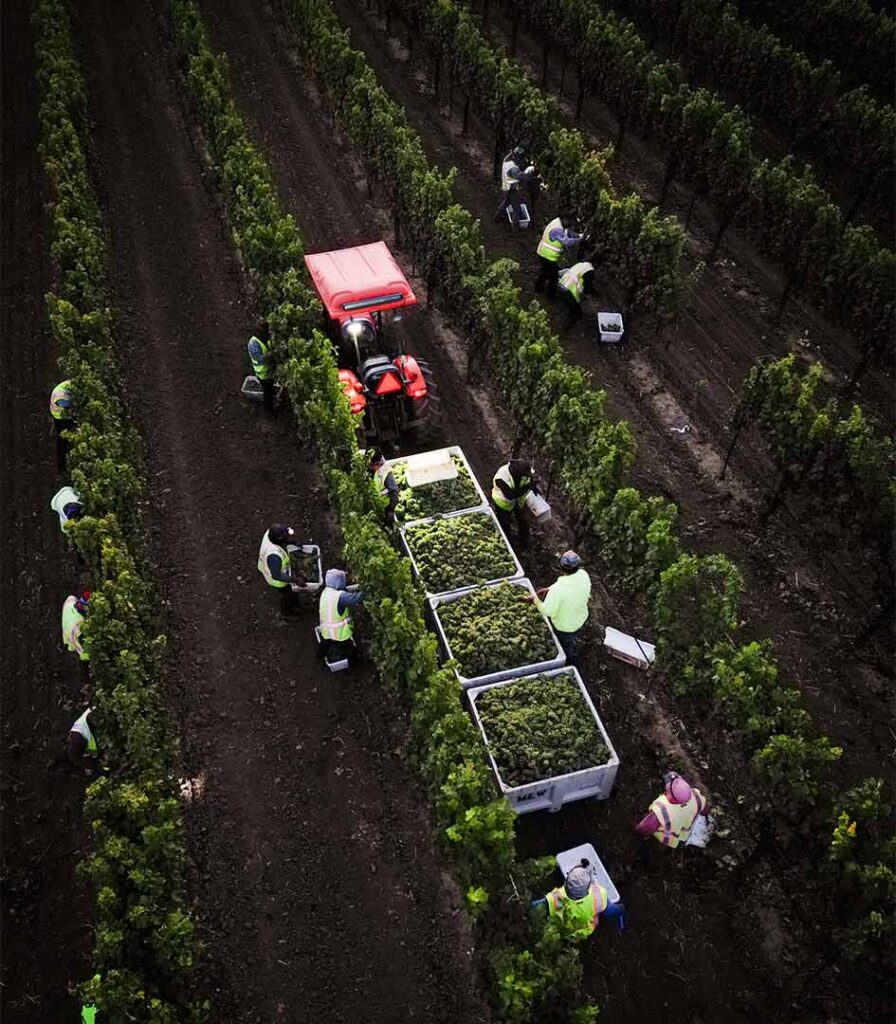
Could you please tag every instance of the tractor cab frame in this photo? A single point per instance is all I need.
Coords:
(392, 392)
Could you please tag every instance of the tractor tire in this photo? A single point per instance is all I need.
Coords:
(426, 426)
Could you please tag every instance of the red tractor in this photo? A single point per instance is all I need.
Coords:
(393, 393)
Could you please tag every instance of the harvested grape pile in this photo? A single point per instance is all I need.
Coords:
(435, 498)
(459, 552)
(493, 629)
(540, 727)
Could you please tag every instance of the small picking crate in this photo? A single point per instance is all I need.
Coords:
(312, 586)
(551, 794)
(511, 671)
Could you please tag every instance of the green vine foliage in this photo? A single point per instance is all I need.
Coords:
(144, 937)
(849, 130)
(640, 247)
(710, 144)
(831, 452)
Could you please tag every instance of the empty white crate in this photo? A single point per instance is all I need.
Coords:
(511, 671)
(551, 794)
(517, 568)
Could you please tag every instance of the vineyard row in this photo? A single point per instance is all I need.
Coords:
(708, 142)
(144, 938)
(695, 600)
(849, 130)
(859, 41)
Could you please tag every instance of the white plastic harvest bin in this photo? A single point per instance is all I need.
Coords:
(552, 794)
(512, 671)
(517, 573)
(452, 450)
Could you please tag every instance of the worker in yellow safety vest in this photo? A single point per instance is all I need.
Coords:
(74, 611)
(81, 747)
(384, 479)
(62, 412)
(580, 903)
(336, 628)
(554, 241)
(565, 603)
(511, 485)
(516, 174)
(275, 565)
(575, 283)
(67, 505)
(673, 813)
(262, 359)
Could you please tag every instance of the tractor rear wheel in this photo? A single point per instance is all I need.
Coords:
(426, 422)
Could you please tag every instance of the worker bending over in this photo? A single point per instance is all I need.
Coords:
(275, 566)
(262, 359)
(81, 746)
(575, 283)
(581, 902)
(555, 240)
(386, 484)
(74, 611)
(66, 503)
(63, 413)
(337, 629)
(565, 603)
(511, 485)
(674, 812)
(515, 172)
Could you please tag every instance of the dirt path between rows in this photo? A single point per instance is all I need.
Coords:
(318, 892)
(714, 941)
(821, 590)
(46, 910)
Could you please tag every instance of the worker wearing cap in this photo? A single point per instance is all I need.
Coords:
(555, 240)
(66, 503)
(384, 479)
(337, 629)
(575, 283)
(62, 412)
(74, 611)
(259, 348)
(674, 812)
(514, 173)
(511, 485)
(274, 564)
(581, 902)
(565, 603)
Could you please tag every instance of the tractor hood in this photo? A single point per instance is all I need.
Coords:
(363, 279)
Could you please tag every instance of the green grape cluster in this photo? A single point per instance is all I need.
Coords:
(540, 727)
(459, 552)
(493, 628)
(436, 498)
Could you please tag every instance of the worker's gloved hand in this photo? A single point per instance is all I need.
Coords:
(528, 598)
(542, 902)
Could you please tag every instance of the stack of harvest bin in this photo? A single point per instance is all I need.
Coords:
(474, 514)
